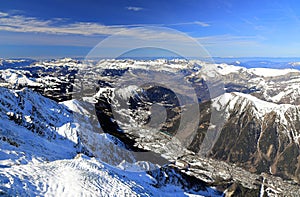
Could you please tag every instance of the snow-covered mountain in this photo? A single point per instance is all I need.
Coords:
(260, 135)
(51, 149)
(84, 128)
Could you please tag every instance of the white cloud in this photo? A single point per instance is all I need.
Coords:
(132, 8)
(202, 24)
(3, 14)
(52, 32)
(49, 40)
(20, 23)
(230, 40)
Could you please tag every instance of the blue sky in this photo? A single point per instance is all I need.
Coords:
(57, 28)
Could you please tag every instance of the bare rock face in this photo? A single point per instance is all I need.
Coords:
(259, 142)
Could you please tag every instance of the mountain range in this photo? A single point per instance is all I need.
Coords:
(148, 128)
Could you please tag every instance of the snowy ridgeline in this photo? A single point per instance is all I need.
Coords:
(39, 142)
(54, 78)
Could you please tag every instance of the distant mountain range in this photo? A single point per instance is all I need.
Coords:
(247, 62)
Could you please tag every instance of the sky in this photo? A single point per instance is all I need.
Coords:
(224, 28)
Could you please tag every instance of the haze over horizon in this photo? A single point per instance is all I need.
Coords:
(224, 28)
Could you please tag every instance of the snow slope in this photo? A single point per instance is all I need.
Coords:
(47, 163)
(268, 72)
(225, 69)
